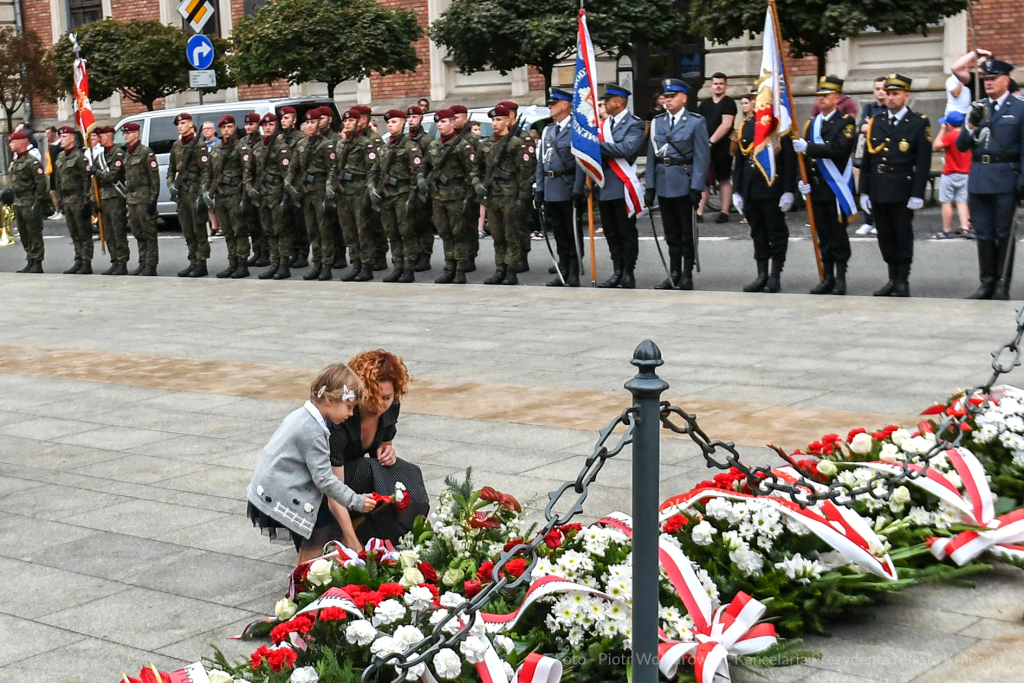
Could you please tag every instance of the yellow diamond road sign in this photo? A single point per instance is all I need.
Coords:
(196, 12)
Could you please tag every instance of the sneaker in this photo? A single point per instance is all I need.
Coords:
(483, 235)
(966, 233)
(57, 216)
(536, 236)
(874, 230)
(865, 229)
(942, 235)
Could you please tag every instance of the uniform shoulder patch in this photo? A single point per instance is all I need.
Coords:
(204, 158)
(153, 163)
(39, 169)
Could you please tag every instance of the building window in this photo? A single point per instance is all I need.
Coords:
(85, 11)
(250, 6)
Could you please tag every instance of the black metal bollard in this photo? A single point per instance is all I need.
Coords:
(646, 388)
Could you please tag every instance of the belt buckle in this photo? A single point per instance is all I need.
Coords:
(986, 159)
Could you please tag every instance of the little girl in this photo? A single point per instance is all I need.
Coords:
(294, 487)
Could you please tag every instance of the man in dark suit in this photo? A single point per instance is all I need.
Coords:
(897, 160)
(619, 226)
(994, 132)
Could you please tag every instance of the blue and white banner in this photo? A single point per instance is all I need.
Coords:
(773, 116)
(840, 183)
(586, 136)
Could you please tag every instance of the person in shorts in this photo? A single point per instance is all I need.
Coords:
(719, 112)
(953, 184)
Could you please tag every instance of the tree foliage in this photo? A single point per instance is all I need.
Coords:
(330, 41)
(24, 71)
(813, 27)
(488, 34)
(143, 60)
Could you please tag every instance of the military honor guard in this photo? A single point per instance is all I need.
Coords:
(31, 192)
(75, 194)
(828, 141)
(421, 209)
(461, 120)
(994, 133)
(275, 161)
(142, 184)
(223, 180)
(678, 156)
(250, 209)
(109, 170)
(619, 227)
(184, 180)
(893, 177)
(306, 183)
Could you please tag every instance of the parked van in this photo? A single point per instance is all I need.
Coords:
(158, 131)
(531, 117)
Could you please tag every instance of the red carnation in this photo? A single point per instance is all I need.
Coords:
(855, 432)
(333, 614)
(575, 526)
(391, 590)
(675, 523)
(256, 658)
(433, 589)
(373, 598)
(516, 567)
(280, 658)
(429, 573)
(471, 588)
(553, 539)
(485, 571)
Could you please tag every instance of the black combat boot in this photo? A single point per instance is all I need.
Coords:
(284, 269)
(628, 279)
(840, 288)
(902, 287)
(357, 266)
(573, 279)
(37, 266)
(86, 268)
(563, 267)
(148, 271)
(460, 277)
(113, 267)
(686, 281)
(423, 263)
(408, 276)
(380, 264)
(121, 269)
(498, 277)
(447, 277)
(254, 259)
(325, 275)
(828, 281)
(1002, 292)
(313, 273)
(184, 272)
(339, 260)
(471, 266)
(510, 277)
(74, 269)
(616, 277)
(364, 275)
(774, 284)
(200, 269)
(27, 268)
(395, 275)
(301, 261)
(227, 272)
(138, 271)
(241, 271)
(269, 272)
(762, 277)
(988, 270)
(264, 259)
(886, 289)
(523, 266)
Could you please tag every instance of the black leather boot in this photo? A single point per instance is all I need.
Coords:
(200, 270)
(86, 268)
(523, 266)
(301, 261)
(395, 275)
(460, 277)
(357, 266)
(184, 272)
(828, 282)
(121, 269)
(339, 260)
(471, 266)
(840, 288)
(28, 267)
(254, 259)
(422, 263)
(408, 276)
(988, 270)
(902, 287)
(313, 273)
(37, 267)
(264, 259)
(284, 269)
(325, 275)
(447, 277)
(510, 277)
(74, 269)
(686, 281)
(269, 272)
(138, 271)
(364, 275)
(762, 277)
(241, 271)
(1002, 292)
(774, 284)
(886, 289)
(573, 279)
(380, 264)
(616, 277)
(230, 270)
(628, 279)
(498, 277)
(150, 271)
(113, 267)
(563, 267)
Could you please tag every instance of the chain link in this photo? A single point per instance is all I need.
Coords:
(761, 480)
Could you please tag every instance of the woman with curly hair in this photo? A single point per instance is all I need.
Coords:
(362, 453)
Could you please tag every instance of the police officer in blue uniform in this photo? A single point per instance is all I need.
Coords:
(764, 204)
(556, 179)
(994, 132)
(619, 227)
(678, 156)
(893, 176)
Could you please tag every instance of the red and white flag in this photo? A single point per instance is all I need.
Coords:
(83, 107)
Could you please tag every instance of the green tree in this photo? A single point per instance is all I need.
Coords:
(490, 34)
(24, 72)
(330, 41)
(143, 60)
(813, 27)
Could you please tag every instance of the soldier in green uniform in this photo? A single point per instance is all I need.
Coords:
(373, 225)
(423, 214)
(276, 158)
(222, 180)
(142, 180)
(452, 176)
(250, 209)
(394, 176)
(31, 190)
(330, 206)
(333, 191)
(508, 176)
(184, 173)
(109, 172)
(254, 181)
(293, 207)
(74, 190)
(472, 217)
(526, 222)
(354, 163)
(310, 174)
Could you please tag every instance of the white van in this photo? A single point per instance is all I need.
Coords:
(158, 131)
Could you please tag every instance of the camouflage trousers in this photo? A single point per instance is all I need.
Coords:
(277, 216)
(79, 228)
(319, 229)
(115, 229)
(257, 235)
(453, 226)
(405, 245)
(193, 226)
(350, 216)
(144, 229)
(506, 227)
(30, 229)
(232, 225)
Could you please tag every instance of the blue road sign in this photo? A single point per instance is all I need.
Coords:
(199, 52)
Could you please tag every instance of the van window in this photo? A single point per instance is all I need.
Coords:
(163, 132)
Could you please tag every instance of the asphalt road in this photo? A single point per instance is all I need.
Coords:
(942, 268)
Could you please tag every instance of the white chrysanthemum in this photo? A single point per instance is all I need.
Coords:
(617, 589)
(701, 534)
(800, 568)
(710, 587)
(389, 611)
(669, 613)
(748, 562)
(543, 568)
(766, 543)
(738, 511)
(620, 572)
(608, 629)
(919, 516)
(616, 611)
(746, 530)
(795, 526)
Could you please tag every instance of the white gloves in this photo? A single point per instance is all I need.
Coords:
(865, 203)
(805, 188)
(915, 203)
(799, 145)
(737, 201)
(786, 201)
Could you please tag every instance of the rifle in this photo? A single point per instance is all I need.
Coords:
(179, 177)
(499, 156)
(118, 186)
(385, 172)
(435, 172)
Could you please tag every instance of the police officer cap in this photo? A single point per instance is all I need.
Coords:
(414, 111)
(269, 117)
(671, 86)
(183, 116)
(130, 127)
(443, 114)
(20, 135)
(459, 109)
(895, 81)
(500, 110)
(995, 67)
(830, 84)
(558, 94)
(394, 114)
(615, 90)
(227, 118)
(69, 130)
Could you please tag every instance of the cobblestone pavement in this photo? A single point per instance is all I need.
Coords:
(132, 413)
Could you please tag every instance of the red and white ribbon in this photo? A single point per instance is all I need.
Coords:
(543, 586)
(347, 557)
(332, 597)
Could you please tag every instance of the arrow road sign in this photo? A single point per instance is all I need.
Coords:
(199, 52)
(196, 12)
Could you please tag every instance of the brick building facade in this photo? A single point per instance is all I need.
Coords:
(859, 60)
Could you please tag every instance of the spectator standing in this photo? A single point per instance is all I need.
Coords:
(953, 185)
(719, 112)
(52, 150)
(210, 139)
(846, 105)
(424, 104)
(869, 110)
